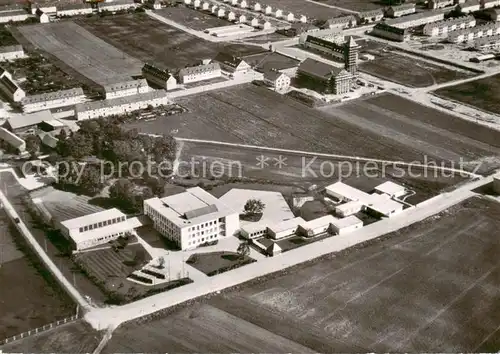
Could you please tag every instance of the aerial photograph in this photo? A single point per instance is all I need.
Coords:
(237, 176)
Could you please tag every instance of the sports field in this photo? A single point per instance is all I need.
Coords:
(431, 287)
(83, 52)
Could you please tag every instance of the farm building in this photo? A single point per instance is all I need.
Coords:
(349, 208)
(370, 16)
(492, 42)
(469, 6)
(28, 124)
(273, 249)
(285, 228)
(13, 142)
(117, 5)
(11, 52)
(14, 16)
(120, 105)
(199, 73)
(341, 22)
(439, 4)
(9, 88)
(42, 16)
(493, 14)
(417, 19)
(95, 229)
(127, 88)
(192, 218)
(76, 9)
(50, 100)
(279, 81)
(323, 78)
(159, 76)
(400, 10)
(392, 33)
(346, 225)
(469, 34)
(488, 4)
(344, 50)
(231, 63)
(444, 27)
(392, 189)
(254, 230)
(316, 226)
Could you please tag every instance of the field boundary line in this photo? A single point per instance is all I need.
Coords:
(319, 154)
(103, 341)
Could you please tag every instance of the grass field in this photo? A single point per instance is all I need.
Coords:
(309, 9)
(214, 263)
(391, 66)
(355, 5)
(482, 93)
(191, 18)
(430, 287)
(75, 337)
(31, 297)
(83, 52)
(150, 40)
(383, 126)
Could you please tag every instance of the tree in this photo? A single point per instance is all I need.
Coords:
(90, 180)
(121, 190)
(33, 145)
(157, 185)
(243, 249)
(254, 206)
(161, 262)
(79, 146)
(164, 148)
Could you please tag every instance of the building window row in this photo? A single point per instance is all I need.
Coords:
(98, 225)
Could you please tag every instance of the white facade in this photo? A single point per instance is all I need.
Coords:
(439, 4)
(278, 13)
(115, 6)
(242, 19)
(285, 228)
(279, 81)
(231, 16)
(74, 11)
(444, 27)
(14, 16)
(122, 105)
(268, 10)
(254, 22)
(13, 140)
(191, 218)
(303, 19)
(221, 13)
(197, 3)
(267, 25)
(52, 100)
(469, 6)
(11, 52)
(347, 225)
(290, 17)
(199, 73)
(257, 7)
(127, 88)
(317, 226)
(254, 230)
(417, 19)
(44, 8)
(95, 229)
(348, 209)
(205, 6)
(43, 18)
(487, 4)
(470, 34)
(392, 189)
(243, 4)
(159, 76)
(10, 88)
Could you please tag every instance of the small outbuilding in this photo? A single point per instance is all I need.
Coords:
(285, 228)
(346, 225)
(392, 189)
(274, 249)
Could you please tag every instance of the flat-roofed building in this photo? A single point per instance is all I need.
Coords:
(381, 205)
(120, 105)
(11, 52)
(400, 10)
(27, 124)
(344, 192)
(159, 76)
(446, 26)
(317, 226)
(192, 218)
(199, 73)
(346, 225)
(95, 229)
(349, 208)
(392, 33)
(392, 189)
(50, 100)
(125, 88)
(253, 230)
(10, 88)
(323, 78)
(285, 228)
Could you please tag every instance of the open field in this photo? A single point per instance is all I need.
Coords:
(31, 297)
(214, 263)
(83, 52)
(36, 74)
(265, 38)
(75, 337)
(482, 93)
(389, 65)
(355, 5)
(383, 126)
(150, 40)
(430, 287)
(197, 20)
(301, 7)
(6, 38)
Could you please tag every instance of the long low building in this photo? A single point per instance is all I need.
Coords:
(285, 228)
(199, 73)
(453, 24)
(15, 143)
(14, 16)
(51, 100)
(121, 105)
(159, 76)
(392, 33)
(11, 52)
(491, 42)
(417, 19)
(126, 88)
(95, 229)
(470, 34)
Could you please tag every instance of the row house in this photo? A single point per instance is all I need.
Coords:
(159, 76)
(14, 16)
(487, 4)
(470, 34)
(370, 16)
(400, 10)
(469, 6)
(51, 100)
(417, 19)
(73, 10)
(199, 73)
(444, 27)
(439, 4)
(117, 5)
(341, 22)
(487, 43)
(126, 88)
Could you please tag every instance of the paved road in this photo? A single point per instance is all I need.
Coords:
(113, 317)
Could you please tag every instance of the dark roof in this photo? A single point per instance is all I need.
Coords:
(388, 28)
(209, 209)
(228, 59)
(198, 69)
(272, 75)
(324, 43)
(402, 7)
(10, 49)
(319, 69)
(11, 85)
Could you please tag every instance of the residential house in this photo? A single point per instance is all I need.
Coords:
(400, 10)
(11, 52)
(76, 9)
(268, 10)
(231, 64)
(446, 26)
(370, 16)
(50, 100)
(487, 4)
(14, 16)
(117, 5)
(470, 34)
(341, 22)
(439, 4)
(10, 88)
(323, 78)
(418, 19)
(279, 81)
(199, 73)
(469, 6)
(42, 16)
(159, 76)
(153, 4)
(127, 88)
